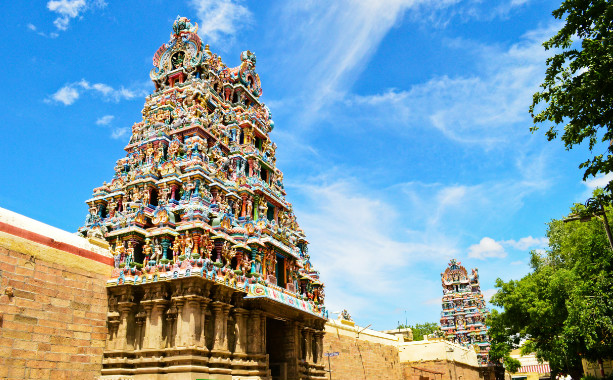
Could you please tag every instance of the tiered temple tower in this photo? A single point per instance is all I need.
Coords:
(212, 274)
(464, 310)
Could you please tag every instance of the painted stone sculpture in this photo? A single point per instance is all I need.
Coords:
(464, 310)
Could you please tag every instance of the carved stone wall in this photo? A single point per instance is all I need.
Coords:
(361, 359)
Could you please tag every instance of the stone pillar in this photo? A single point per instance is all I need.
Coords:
(147, 307)
(220, 326)
(304, 344)
(309, 351)
(155, 321)
(171, 317)
(262, 333)
(225, 318)
(239, 316)
(291, 349)
(254, 332)
(205, 314)
(194, 321)
(180, 323)
(126, 328)
(140, 324)
(113, 322)
(319, 343)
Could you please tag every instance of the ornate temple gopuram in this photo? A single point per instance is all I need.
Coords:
(464, 310)
(212, 276)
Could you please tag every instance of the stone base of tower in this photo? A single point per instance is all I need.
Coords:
(189, 363)
(197, 328)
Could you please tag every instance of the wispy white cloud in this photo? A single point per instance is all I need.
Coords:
(485, 108)
(490, 248)
(69, 93)
(330, 41)
(600, 181)
(526, 243)
(489, 293)
(70, 9)
(34, 29)
(105, 120)
(486, 248)
(479, 204)
(591, 184)
(119, 133)
(327, 44)
(220, 20)
(443, 14)
(359, 253)
(116, 132)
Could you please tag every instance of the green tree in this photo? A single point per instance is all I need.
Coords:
(502, 340)
(421, 329)
(563, 309)
(577, 89)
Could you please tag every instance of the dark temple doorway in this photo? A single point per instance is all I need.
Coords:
(275, 346)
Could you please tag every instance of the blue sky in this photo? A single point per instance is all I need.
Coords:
(402, 128)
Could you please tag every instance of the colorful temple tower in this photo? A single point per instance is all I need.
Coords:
(212, 275)
(464, 310)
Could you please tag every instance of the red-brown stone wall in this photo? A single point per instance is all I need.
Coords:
(53, 325)
(439, 369)
(360, 359)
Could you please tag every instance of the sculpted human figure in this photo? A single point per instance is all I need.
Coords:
(188, 187)
(246, 265)
(145, 196)
(130, 252)
(135, 196)
(206, 246)
(262, 208)
(227, 253)
(224, 205)
(236, 208)
(177, 246)
(159, 155)
(249, 209)
(119, 253)
(158, 251)
(147, 251)
(188, 245)
(164, 195)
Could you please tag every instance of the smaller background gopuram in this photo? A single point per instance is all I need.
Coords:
(464, 310)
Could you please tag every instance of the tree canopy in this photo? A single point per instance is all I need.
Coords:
(577, 89)
(421, 329)
(563, 309)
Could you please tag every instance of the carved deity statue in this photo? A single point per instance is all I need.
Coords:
(177, 246)
(188, 245)
(158, 251)
(147, 251)
(249, 209)
(130, 253)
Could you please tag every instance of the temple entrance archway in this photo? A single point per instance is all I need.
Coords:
(275, 342)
